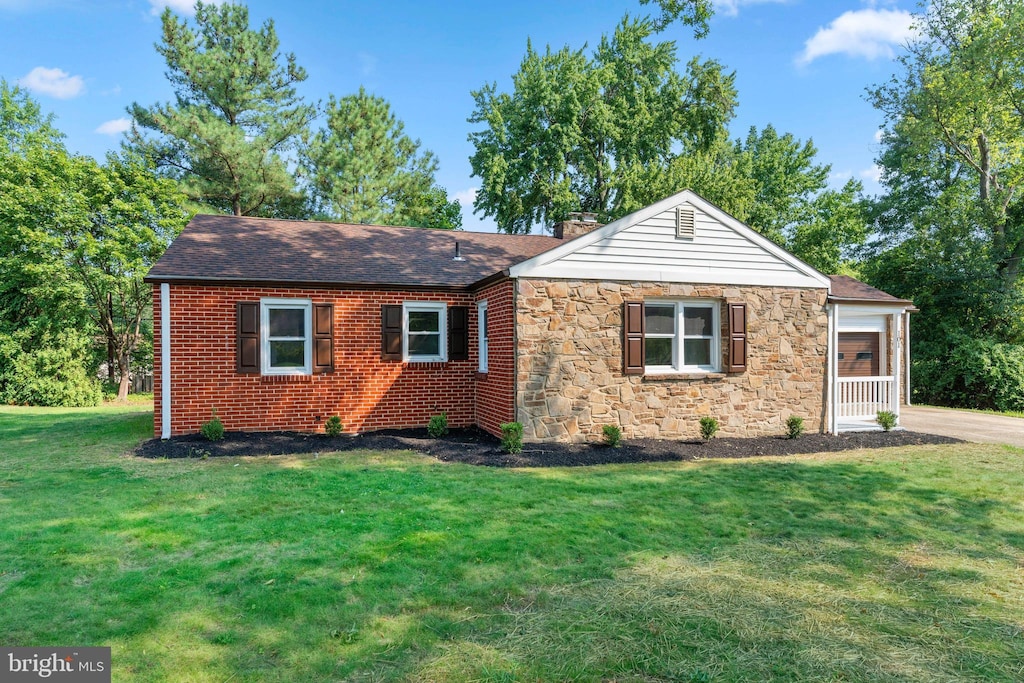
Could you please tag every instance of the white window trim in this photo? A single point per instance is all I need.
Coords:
(482, 345)
(677, 339)
(442, 321)
(295, 304)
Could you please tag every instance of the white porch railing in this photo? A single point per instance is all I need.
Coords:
(860, 398)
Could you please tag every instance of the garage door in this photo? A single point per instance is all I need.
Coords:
(858, 354)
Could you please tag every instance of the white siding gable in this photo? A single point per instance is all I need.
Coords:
(644, 246)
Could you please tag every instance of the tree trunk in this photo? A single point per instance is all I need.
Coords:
(236, 206)
(122, 367)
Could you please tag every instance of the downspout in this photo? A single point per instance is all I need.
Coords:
(830, 395)
(165, 360)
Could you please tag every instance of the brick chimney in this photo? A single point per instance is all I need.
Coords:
(579, 223)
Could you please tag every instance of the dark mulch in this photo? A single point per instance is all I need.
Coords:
(476, 447)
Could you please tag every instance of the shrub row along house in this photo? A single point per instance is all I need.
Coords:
(666, 315)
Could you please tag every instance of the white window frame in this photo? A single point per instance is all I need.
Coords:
(442, 320)
(304, 305)
(482, 323)
(678, 337)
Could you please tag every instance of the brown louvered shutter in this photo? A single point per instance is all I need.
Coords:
(391, 332)
(458, 333)
(737, 337)
(633, 337)
(247, 336)
(323, 338)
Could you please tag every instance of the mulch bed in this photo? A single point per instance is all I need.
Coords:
(475, 447)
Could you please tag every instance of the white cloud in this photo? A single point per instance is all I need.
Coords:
(878, 135)
(54, 82)
(186, 7)
(466, 197)
(114, 127)
(874, 173)
(869, 33)
(730, 8)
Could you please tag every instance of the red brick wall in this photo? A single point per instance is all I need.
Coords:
(366, 392)
(495, 391)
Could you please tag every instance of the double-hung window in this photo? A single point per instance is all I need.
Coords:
(425, 337)
(681, 336)
(481, 319)
(286, 334)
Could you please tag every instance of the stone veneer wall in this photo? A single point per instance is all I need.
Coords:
(570, 381)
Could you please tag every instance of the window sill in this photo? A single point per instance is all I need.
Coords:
(481, 375)
(285, 379)
(670, 376)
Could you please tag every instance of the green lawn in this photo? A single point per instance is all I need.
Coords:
(901, 565)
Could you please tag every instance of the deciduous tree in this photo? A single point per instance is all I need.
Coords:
(576, 131)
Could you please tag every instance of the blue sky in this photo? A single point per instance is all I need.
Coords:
(802, 65)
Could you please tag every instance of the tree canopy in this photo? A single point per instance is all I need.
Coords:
(577, 130)
(76, 239)
(236, 118)
(365, 169)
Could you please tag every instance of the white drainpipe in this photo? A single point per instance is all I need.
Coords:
(833, 348)
(165, 360)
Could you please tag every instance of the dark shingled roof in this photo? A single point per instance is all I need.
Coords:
(846, 287)
(243, 249)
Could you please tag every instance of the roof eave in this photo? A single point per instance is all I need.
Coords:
(895, 303)
(277, 282)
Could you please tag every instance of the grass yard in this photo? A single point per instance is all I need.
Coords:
(901, 565)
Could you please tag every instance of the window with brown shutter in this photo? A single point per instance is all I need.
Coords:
(247, 337)
(458, 333)
(737, 337)
(633, 337)
(323, 338)
(391, 332)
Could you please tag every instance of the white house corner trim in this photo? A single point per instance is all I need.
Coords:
(165, 360)
(832, 394)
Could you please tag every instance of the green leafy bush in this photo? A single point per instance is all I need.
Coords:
(333, 426)
(886, 419)
(438, 425)
(708, 427)
(971, 373)
(214, 429)
(612, 435)
(794, 426)
(52, 374)
(512, 437)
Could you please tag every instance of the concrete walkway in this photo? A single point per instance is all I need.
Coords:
(962, 424)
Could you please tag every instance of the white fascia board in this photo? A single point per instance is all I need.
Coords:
(861, 310)
(558, 271)
(532, 267)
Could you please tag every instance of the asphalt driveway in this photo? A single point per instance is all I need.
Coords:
(962, 424)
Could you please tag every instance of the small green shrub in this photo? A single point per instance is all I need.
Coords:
(794, 426)
(708, 427)
(612, 435)
(333, 426)
(214, 429)
(512, 437)
(438, 425)
(886, 419)
(53, 373)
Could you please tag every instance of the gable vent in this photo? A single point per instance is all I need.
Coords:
(685, 223)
